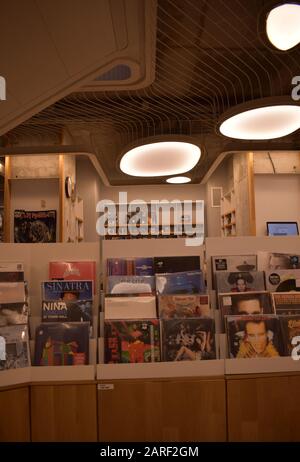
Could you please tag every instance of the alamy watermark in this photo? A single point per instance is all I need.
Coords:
(157, 218)
(2, 89)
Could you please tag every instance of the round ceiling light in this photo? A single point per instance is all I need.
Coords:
(160, 159)
(282, 26)
(178, 180)
(264, 123)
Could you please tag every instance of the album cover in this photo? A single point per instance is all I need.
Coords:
(256, 336)
(73, 270)
(34, 226)
(14, 347)
(69, 290)
(286, 302)
(290, 328)
(69, 311)
(275, 261)
(130, 266)
(12, 292)
(180, 283)
(183, 306)
(234, 263)
(283, 280)
(242, 281)
(62, 344)
(134, 341)
(11, 272)
(188, 339)
(176, 264)
(139, 307)
(246, 303)
(144, 266)
(130, 284)
(13, 313)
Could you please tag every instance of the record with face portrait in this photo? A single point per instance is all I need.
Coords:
(241, 281)
(290, 328)
(268, 261)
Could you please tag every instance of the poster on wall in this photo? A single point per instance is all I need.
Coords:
(34, 226)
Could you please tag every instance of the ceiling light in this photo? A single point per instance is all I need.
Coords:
(160, 159)
(283, 29)
(178, 180)
(264, 123)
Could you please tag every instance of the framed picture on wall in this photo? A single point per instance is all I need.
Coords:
(35, 226)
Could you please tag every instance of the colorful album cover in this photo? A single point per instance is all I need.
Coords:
(180, 283)
(256, 336)
(188, 339)
(134, 341)
(130, 266)
(73, 270)
(290, 328)
(67, 290)
(286, 302)
(11, 272)
(283, 280)
(13, 313)
(67, 311)
(130, 285)
(176, 264)
(242, 281)
(14, 347)
(144, 266)
(183, 306)
(62, 344)
(275, 261)
(234, 263)
(34, 226)
(12, 292)
(130, 307)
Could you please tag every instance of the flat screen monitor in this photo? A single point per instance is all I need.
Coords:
(282, 228)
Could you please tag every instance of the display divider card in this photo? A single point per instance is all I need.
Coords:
(242, 281)
(13, 313)
(277, 261)
(130, 307)
(73, 270)
(14, 347)
(244, 303)
(35, 226)
(184, 306)
(130, 285)
(188, 282)
(283, 280)
(176, 264)
(254, 336)
(286, 303)
(11, 271)
(12, 292)
(62, 344)
(190, 339)
(290, 328)
(132, 341)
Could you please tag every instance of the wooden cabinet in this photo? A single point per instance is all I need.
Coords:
(176, 410)
(263, 408)
(64, 412)
(15, 415)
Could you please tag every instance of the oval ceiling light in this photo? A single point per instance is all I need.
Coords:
(178, 180)
(282, 26)
(264, 123)
(160, 159)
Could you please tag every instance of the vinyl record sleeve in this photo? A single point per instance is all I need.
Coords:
(12, 292)
(183, 306)
(283, 280)
(290, 328)
(13, 313)
(56, 290)
(14, 347)
(286, 303)
(189, 282)
(176, 264)
(140, 307)
(242, 281)
(130, 285)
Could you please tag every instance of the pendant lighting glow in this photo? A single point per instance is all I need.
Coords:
(283, 29)
(264, 123)
(178, 180)
(160, 159)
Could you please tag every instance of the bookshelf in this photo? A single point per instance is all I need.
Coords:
(228, 214)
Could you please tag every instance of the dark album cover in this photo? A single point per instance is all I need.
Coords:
(286, 302)
(134, 341)
(67, 311)
(256, 336)
(11, 272)
(290, 327)
(283, 280)
(130, 284)
(14, 347)
(62, 344)
(183, 306)
(139, 266)
(188, 339)
(243, 281)
(189, 282)
(34, 226)
(176, 264)
(13, 313)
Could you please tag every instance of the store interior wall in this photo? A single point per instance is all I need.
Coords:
(276, 199)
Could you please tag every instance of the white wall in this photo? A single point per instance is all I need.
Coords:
(277, 198)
